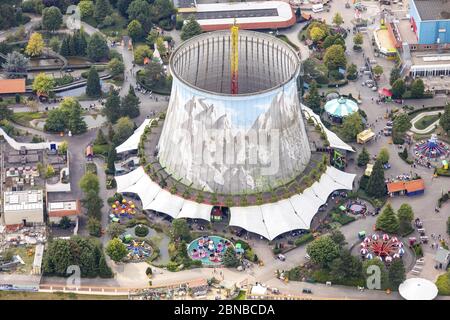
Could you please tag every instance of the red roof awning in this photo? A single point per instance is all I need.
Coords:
(385, 92)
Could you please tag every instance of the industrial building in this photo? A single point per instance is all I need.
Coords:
(23, 207)
(430, 21)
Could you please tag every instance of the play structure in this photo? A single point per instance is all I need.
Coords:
(431, 150)
(210, 249)
(137, 251)
(356, 207)
(383, 247)
(123, 209)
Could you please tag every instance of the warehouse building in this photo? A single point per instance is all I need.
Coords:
(23, 207)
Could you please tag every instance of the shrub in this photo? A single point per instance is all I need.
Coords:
(148, 271)
(303, 239)
(443, 284)
(141, 231)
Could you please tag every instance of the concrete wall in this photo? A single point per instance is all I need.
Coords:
(17, 217)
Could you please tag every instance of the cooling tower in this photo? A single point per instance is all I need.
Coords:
(242, 143)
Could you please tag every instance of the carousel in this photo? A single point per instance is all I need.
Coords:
(383, 247)
(339, 108)
(431, 150)
(210, 249)
(123, 209)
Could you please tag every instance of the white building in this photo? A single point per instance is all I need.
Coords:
(58, 209)
(23, 207)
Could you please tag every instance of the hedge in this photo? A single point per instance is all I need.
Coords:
(442, 172)
(308, 237)
(420, 110)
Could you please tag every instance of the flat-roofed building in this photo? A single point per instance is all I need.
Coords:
(59, 209)
(12, 86)
(23, 207)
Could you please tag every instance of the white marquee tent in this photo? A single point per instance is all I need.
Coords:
(418, 289)
(29, 146)
(268, 220)
(133, 141)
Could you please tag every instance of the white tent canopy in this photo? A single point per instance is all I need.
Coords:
(133, 141)
(29, 146)
(418, 289)
(268, 220)
(333, 139)
(194, 210)
(250, 219)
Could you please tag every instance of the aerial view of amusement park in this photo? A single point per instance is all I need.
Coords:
(224, 150)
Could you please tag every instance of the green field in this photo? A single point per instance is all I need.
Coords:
(426, 121)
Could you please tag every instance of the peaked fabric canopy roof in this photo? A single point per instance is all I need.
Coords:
(269, 220)
(133, 141)
(341, 107)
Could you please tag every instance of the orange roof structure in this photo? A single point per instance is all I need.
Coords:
(409, 186)
(414, 185)
(64, 208)
(396, 186)
(8, 86)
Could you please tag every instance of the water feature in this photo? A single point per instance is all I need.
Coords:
(45, 62)
(160, 239)
(82, 90)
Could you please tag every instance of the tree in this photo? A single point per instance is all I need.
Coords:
(135, 30)
(180, 230)
(153, 74)
(190, 29)
(398, 89)
(112, 106)
(376, 186)
(333, 39)
(396, 273)
(151, 38)
(97, 48)
(65, 223)
(141, 52)
(94, 227)
(35, 45)
(377, 70)
(86, 8)
(363, 158)
(162, 9)
(417, 88)
(313, 98)
(52, 18)
(445, 119)
(337, 19)
(15, 64)
(93, 87)
(229, 258)
(394, 76)
(75, 120)
(372, 268)
(141, 11)
(401, 124)
(338, 237)
(89, 182)
(64, 49)
(43, 84)
(122, 6)
(124, 129)
(334, 57)
(54, 44)
(161, 47)
(352, 71)
(351, 126)
(405, 216)
(56, 121)
(317, 34)
(104, 271)
(112, 155)
(116, 67)
(50, 171)
(67, 117)
(387, 220)
(358, 39)
(101, 10)
(130, 104)
(345, 267)
(93, 204)
(115, 230)
(100, 139)
(116, 250)
(323, 251)
(383, 155)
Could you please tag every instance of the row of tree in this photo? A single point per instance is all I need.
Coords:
(116, 108)
(330, 254)
(389, 222)
(92, 202)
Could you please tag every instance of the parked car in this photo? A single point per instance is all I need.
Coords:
(281, 257)
(307, 290)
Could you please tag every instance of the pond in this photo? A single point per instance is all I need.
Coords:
(92, 121)
(45, 62)
(160, 239)
(82, 90)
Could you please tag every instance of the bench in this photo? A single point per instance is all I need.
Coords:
(415, 272)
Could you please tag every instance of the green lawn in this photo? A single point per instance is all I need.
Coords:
(426, 121)
(24, 118)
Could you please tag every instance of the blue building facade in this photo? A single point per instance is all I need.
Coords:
(427, 23)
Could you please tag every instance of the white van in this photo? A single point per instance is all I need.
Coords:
(317, 8)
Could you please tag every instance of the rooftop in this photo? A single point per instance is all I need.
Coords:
(12, 86)
(409, 186)
(23, 200)
(63, 208)
(433, 9)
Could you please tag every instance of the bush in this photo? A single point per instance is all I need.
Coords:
(418, 250)
(443, 284)
(148, 271)
(141, 231)
(303, 239)
(341, 218)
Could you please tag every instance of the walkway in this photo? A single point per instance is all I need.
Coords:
(428, 129)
